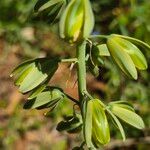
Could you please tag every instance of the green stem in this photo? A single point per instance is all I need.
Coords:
(99, 36)
(72, 99)
(81, 52)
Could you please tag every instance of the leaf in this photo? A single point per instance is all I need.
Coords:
(103, 50)
(95, 56)
(117, 122)
(126, 107)
(93, 69)
(123, 104)
(52, 104)
(50, 9)
(49, 4)
(128, 116)
(122, 58)
(37, 91)
(47, 98)
(56, 10)
(30, 104)
(39, 4)
(87, 124)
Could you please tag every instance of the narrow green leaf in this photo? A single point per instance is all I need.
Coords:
(52, 104)
(123, 104)
(87, 127)
(49, 4)
(95, 56)
(45, 99)
(40, 104)
(56, 10)
(117, 122)
(103, 50)
(39, 4)
(93, 68)
(50, 9)
(41, 99)
(128, 116)
(100, 61)
(126, 107)
(37, 91)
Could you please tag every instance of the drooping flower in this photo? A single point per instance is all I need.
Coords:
(126, 55)
(77, 20)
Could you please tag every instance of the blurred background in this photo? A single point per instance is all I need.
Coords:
(23, 35)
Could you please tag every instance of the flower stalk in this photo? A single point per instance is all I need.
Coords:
(81, 56)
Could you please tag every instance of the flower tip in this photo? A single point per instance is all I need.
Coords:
(135, 77)
(142, 126)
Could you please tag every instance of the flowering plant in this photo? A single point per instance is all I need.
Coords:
(76, 22)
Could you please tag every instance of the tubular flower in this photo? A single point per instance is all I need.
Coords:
(77, 21)
(32, 73)
(96, 128)
(126, 55)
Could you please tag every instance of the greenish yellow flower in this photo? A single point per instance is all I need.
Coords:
(127, 55)
(77, 20)
(96, 128)
(32, 73)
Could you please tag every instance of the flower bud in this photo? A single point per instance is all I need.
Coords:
(77, 20)
(121, 57)
(127, 55)
(134, 52)
(49, 9)
(33, 73)
(96, 128)
(47, 98)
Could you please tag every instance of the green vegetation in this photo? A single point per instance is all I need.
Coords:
(29, 35)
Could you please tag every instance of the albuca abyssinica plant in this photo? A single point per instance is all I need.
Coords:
(75, 25)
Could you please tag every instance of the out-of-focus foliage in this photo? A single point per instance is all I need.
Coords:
(14, 15)
(19, 25)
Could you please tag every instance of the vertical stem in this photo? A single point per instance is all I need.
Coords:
(81, 52)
